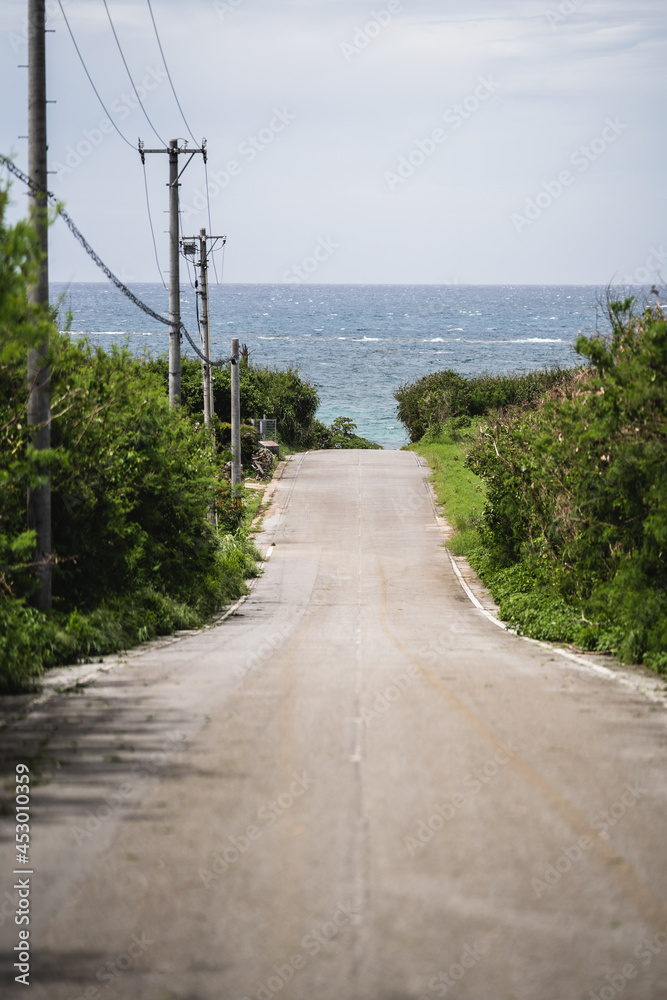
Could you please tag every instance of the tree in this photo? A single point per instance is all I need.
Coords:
(23, 326)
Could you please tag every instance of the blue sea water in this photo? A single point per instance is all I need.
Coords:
(358, 343)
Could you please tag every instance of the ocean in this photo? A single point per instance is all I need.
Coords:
(358, 343)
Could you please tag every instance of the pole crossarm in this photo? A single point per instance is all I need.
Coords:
(192, 239)
(175, 324)
(211, 239)
(182, 149)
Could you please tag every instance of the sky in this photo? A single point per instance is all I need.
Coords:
(402, 141)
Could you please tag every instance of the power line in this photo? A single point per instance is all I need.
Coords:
(90, 79)
(210, 225)
(222, 263)
(99, 262)
(127, 68)
(173, 90)
(150, 223)
(183, 255)
(124, 138)
(187, 262)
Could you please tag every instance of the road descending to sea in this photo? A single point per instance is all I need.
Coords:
(356, 787)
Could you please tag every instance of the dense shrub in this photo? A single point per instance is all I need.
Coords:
(282, 395)
(577, 491)
(341, 434)
(441, 396)
(134, 483)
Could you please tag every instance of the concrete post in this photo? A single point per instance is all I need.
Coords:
(236, 416)
(174, 281)
(39, 394)
(203, 291)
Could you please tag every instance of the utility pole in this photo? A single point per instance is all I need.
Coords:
(236, 418)
(39, 394)
(206, 338)
(189, 245)
(174, 281)
(174, 272)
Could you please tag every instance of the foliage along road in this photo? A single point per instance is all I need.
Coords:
(357, 787)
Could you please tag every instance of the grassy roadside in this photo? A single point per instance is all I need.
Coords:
(32, 641)
(460, 492)
(572, 535)
(525, 593)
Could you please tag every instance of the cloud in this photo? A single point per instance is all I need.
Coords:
(353, 119)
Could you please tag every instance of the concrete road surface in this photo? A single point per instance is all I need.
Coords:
(357, 787)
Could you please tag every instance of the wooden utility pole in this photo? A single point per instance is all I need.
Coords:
(174, 262)
(236, 417)
(39, 395)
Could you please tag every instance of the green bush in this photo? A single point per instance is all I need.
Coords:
(249, 441)
(341, 434)
(578, 487)
(282, 395)
(442, 396)
(31, 640)
(133, 483)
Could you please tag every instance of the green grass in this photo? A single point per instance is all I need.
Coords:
(524, 593)
(458, 490)
(252, 501)
(569, 530)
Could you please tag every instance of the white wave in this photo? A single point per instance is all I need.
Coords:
(110, 333)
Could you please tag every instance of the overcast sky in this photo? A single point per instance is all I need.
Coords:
(428, 141)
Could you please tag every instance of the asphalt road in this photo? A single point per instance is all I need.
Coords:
(357, 787)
